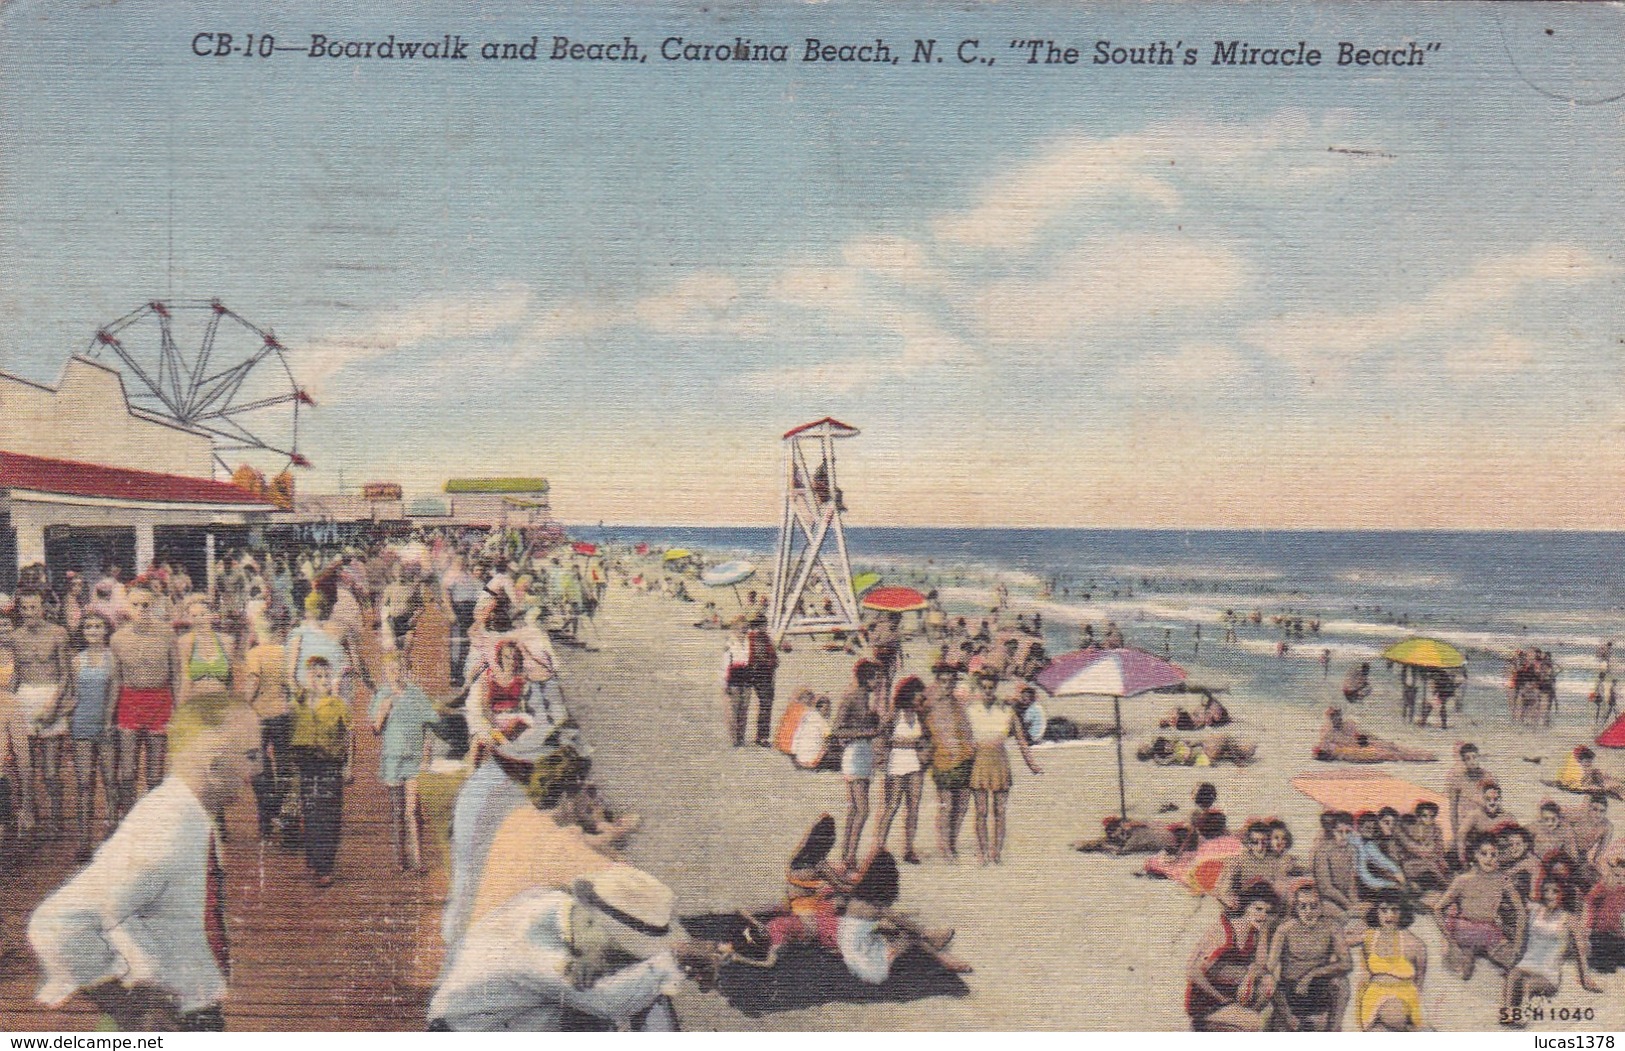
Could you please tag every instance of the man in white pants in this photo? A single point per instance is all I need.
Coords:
(42, 666)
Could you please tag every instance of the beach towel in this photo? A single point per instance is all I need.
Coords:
(1368, 790)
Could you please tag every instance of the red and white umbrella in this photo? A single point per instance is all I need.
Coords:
(895, 600)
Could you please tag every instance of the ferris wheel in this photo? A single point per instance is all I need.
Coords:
(205, 367)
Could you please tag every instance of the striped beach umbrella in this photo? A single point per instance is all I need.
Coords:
(1115, 673)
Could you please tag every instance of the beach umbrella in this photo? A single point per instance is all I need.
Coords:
(1117, 673)
(677, 554)
(581, 547)
(642, 549)
(1368, 790)
(1614, 736)
(863, 582)
(728, 575)
(894, 600)
(1425, 653)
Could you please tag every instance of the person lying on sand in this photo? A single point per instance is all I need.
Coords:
(1579, 774)
(1341, 741)
(858, 924)
(1129, 837)
(1206, 751)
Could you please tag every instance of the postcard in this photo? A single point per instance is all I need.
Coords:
(824, 517)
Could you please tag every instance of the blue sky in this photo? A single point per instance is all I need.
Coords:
(1196, 296)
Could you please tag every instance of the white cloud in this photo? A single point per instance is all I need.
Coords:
(1013, 208)
(1192, 366)
(1130, 277)
(1271, 155)
(898, 259)
(840, 376)
(832, 289)
(384, 333)
(708, 302)
(1497, 354)
(922, 343)
(1319, 342)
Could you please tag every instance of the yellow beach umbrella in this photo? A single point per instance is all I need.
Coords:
(1425, 653)
(678, 553)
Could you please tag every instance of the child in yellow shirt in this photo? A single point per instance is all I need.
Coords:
(322, 750)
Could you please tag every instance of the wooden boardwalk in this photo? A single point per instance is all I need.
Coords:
(360, 955)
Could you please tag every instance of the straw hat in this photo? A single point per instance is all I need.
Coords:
(636, 908)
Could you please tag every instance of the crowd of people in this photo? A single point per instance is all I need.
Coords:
(164, 694)
(1532, 687)
(130, 710)
(1526, 898)
(175, 690)
(895, 727)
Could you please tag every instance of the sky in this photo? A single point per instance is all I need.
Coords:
(1197, 297)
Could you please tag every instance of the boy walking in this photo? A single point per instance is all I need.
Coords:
(322, 749)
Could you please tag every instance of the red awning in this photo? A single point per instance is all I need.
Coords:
(72, 478)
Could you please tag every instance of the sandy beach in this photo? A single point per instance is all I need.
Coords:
(1060, 940)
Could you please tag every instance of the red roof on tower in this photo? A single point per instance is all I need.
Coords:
(72, 478)
(843, 430)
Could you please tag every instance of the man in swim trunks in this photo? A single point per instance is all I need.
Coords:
(40, 686)
(1470, 912)
(146, 674)
(1310, 964)
(948, 726)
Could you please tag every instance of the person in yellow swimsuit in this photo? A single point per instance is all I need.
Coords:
(1396, 962)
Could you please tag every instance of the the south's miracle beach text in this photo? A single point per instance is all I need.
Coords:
(924, 52)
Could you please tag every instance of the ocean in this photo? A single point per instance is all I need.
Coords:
(1488, 593)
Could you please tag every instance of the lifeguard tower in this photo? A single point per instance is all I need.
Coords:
(812, 580)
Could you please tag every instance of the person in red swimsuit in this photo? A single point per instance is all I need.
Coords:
(1228, 976)
(146, 677)
(496, 700)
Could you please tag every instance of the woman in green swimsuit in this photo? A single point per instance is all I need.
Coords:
(205, 654)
